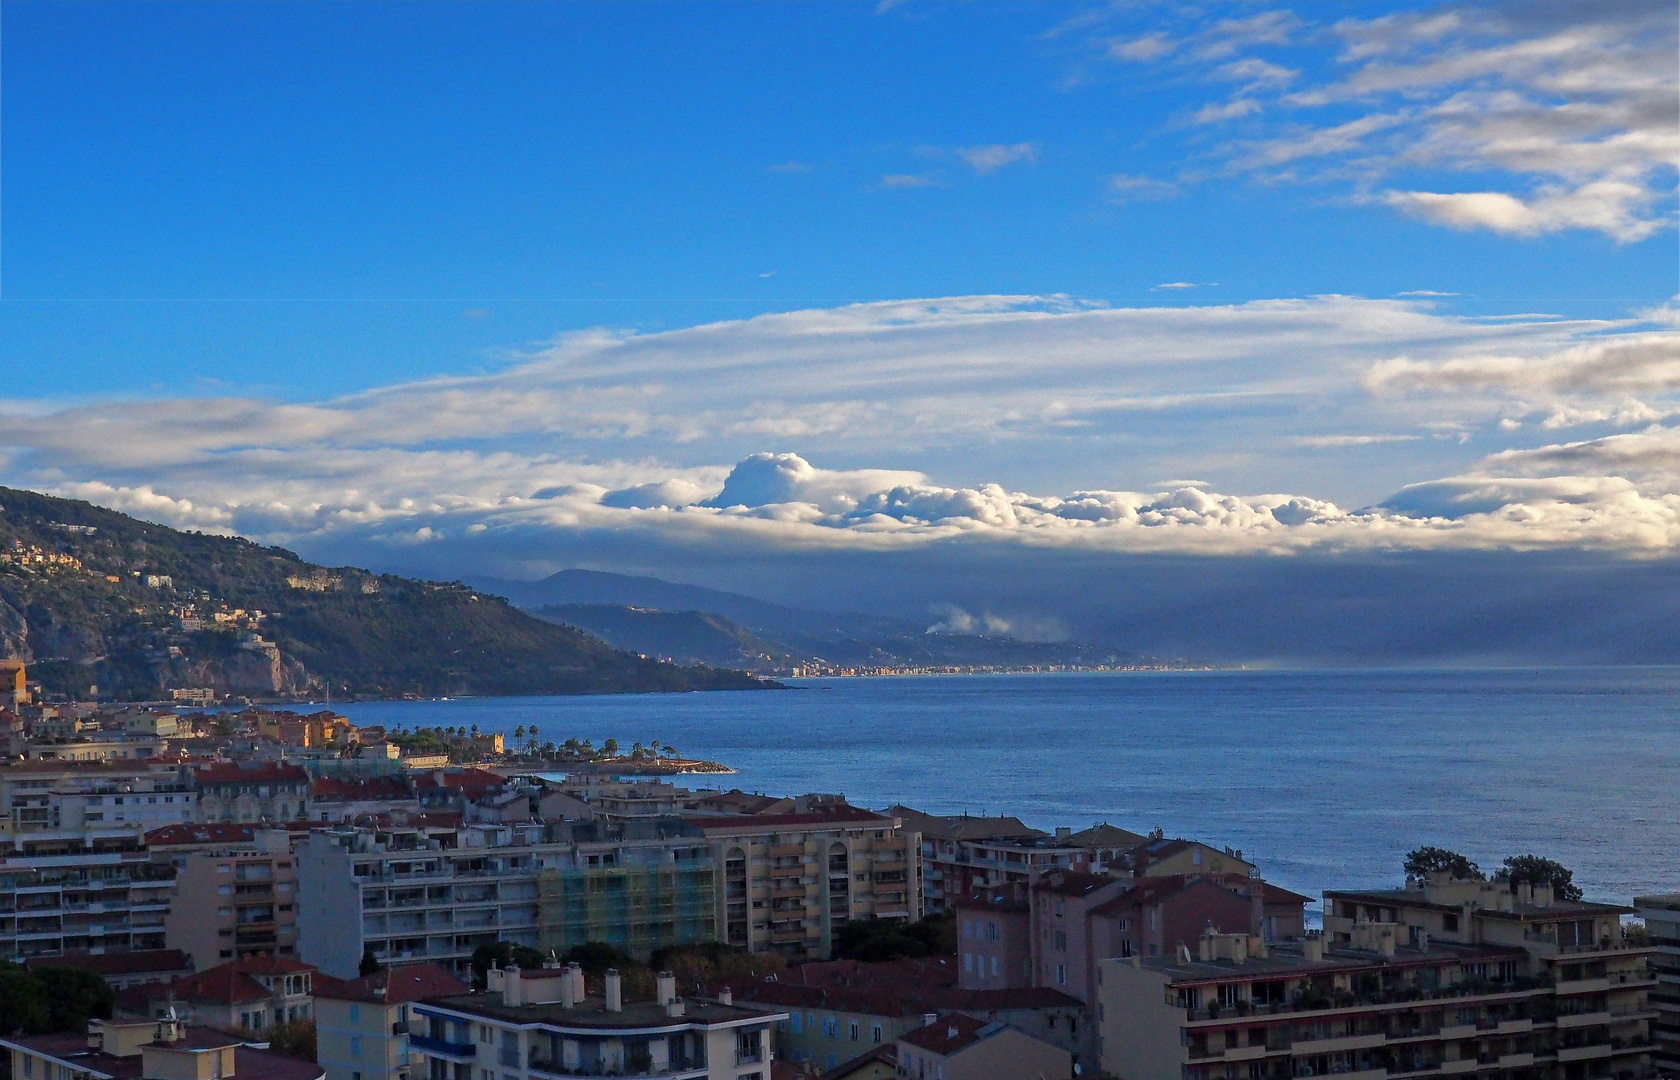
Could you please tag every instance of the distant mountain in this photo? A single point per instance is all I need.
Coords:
(689, 623)
(684, 637)
(94, 598)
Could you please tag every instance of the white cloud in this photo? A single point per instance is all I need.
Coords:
(1124, 188)
(986, 159)
(908, 180)
(620, 433)
(1565, 114)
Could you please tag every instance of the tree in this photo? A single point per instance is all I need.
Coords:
(1423, 861)
(293, 1039)
(22, 1005)
(610, 748)
(475, 731)
(1534, 870)
(874, 940)
(370, 963)
(519, 733)
(501, 954)
(74, 996)
(595, 957)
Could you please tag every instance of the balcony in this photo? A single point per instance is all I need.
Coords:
(1584, 1053)
(677, 1069)
(439, 1048)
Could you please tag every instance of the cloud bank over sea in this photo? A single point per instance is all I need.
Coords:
(946, 435)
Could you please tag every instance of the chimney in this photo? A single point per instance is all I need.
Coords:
(1063, 832)
(574, 976)
(1525, 893)
(726, 996)
(1312, 947)
(675, 1007)
(614, 991)
(1542, 895)
(512, 986)
(666, 984)
(930, 1019)
(950, 1033)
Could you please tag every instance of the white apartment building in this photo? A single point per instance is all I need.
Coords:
(99, 902)
(539, 1025)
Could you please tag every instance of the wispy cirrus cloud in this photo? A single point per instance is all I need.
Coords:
(1560, 117)
(990, 158)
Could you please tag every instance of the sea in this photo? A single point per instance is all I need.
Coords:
(1325, 779)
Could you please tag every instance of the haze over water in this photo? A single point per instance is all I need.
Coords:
(1325, 779)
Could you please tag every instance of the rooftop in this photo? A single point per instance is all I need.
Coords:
(250, 772)
(1287, 959)
(951, 1034)
(143, 962)
(393, 986)
(892, 988)
(220, 832)
(249, 1062)
(1425, 896)
(592, 1013)
(823, 817)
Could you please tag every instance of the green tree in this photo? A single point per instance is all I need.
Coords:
(610, 748)
(519, 733)
(1534, 870)
(293, 1039)
(22, 1005)
(1423, 861)
(875, 940)
(595, 957)
(73, 996)
(370, 963)
(501, 954)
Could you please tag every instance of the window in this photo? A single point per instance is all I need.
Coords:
(991, 931)
(994, 965)
(356, 1046)
(793, 1022)
(1449, 924)
(1059, 940)
(1061, 974)
(355, 1014)
(875, 1033)
(852, 1031)
(28, 1065)
(968, 961)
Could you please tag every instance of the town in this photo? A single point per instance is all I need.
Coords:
(274, 895)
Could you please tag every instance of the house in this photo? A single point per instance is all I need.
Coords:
(963, 1048)
(240, 995)
(362, 1024)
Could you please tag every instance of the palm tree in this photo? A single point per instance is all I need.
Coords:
(519, 732)
(475, 731)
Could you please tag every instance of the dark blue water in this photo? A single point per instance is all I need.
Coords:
(1325, 778)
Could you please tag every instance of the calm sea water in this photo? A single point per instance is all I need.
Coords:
(1325, 778)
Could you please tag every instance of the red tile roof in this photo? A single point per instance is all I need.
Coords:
(265, 772)
(479, 780)
(225, 984)
(407, 982)
(949, 1034)
(1072, 882)
(220, 832)
(328, 789)
(896, 988)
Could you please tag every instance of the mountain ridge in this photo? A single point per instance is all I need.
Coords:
(95, 599)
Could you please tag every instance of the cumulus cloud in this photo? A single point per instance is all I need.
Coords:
(1569, 109)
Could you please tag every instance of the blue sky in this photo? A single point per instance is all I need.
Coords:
(505, 288)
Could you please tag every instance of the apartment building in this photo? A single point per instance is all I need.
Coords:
(148, 1050)
(438, 892)
(638, 884)
(62, 807)
(98, 902)
(362, 1024)
(421, 892)
(233, 902)
(789, 881)
(1662, 923)
(252, 791)
(1372, 1007)
(963, 854)
(1053, 931)
(538, 1025)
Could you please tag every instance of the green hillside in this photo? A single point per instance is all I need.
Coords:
(94, 598)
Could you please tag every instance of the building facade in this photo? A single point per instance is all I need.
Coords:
(788, 882)
(1662, 924)
(233, 904)
(539, 1025)
(362, 1025)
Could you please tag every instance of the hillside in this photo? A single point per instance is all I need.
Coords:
(94, 598)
